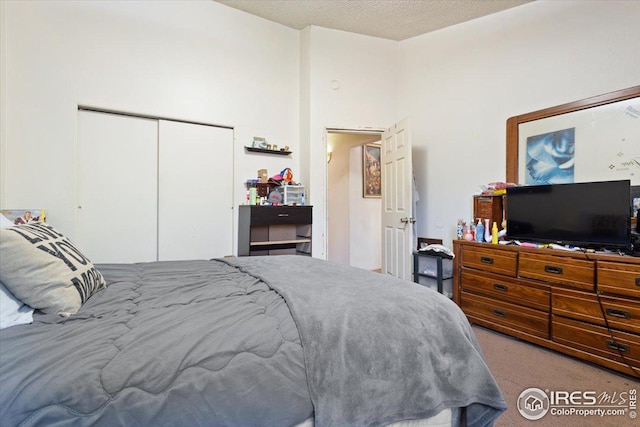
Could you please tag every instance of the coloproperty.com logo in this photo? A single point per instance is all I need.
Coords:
(534, 403)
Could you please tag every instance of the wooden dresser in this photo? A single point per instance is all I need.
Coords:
(584, 305)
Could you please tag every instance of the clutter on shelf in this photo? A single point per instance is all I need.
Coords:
(481, 232)
(496, 187)
(488, 223)
(260, 145)
(280, 189)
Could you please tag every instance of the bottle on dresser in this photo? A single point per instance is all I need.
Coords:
(479, 231)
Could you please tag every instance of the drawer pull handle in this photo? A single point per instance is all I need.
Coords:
(499, 313)
(283, 214)
(618, 313)
(499, 287)
(486, 260)
(553, 269)
(617, 346)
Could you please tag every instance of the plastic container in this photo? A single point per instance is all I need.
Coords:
(427, 274)
(293, 194)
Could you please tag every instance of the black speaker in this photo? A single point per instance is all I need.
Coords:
(638, 221)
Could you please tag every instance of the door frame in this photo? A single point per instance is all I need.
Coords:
(325, 171)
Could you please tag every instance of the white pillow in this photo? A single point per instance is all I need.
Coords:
(13, 311)
(43, 269)
(4, 222)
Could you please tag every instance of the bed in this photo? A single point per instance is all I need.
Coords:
(250, 341)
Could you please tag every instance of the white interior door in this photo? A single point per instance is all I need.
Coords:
(117, 187)
(397, 222)
(195, 206)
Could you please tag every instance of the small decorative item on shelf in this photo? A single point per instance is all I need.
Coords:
(259, 142)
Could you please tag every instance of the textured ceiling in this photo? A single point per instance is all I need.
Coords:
(389, 19)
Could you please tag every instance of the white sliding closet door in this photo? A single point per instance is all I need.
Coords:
(195, 206)
(117, 187)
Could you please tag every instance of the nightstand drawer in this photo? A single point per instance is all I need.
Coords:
(490, 259)
(575, 273)
(270, 215)
(525, 319)
(506, 289)
(622, 279)
(597, 340)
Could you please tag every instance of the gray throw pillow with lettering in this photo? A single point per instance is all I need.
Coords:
(43, 269)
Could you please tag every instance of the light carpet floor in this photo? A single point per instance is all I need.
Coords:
(518, 365)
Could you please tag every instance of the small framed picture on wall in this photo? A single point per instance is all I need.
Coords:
(371, 171)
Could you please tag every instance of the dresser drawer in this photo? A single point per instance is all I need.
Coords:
(575, 273)
(506, 289)
(270, 215)
(596, 340)
(490, 259)
(484, 209)
(620, 313)
(525, 319)
(617, 278)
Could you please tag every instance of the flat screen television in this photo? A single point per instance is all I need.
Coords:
(587, 214)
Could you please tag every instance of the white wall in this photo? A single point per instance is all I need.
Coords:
(338, 197)
(460, 84)
(3, 97)
(199, 61)
(206, 62)
(366, 70)
(365, 219)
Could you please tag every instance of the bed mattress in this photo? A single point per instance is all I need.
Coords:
(442, 419)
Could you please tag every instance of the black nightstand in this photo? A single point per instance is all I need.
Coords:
(274, 230)
(433, 271)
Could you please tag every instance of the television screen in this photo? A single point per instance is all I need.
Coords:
(588, 214)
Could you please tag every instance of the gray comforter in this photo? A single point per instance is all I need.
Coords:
(213, 343)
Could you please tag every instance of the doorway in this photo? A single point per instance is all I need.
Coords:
(353, 222)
